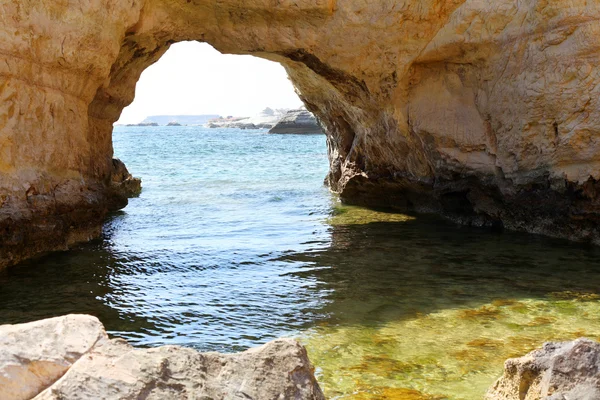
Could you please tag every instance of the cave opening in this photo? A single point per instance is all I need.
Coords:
(197, 134)
(193, 78)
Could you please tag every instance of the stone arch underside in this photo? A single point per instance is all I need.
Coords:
(484, 112)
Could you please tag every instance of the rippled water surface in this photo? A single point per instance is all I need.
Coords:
(235, 241)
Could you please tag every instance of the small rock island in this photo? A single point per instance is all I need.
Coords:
(300, 121)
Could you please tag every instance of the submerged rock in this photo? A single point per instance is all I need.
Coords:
(558, 371)
(299, 121)
(72, 358)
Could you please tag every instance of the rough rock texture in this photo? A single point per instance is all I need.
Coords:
(486, 112)
(299, 121)
(60, 217)
(85, 364)
(558, 371)
(122, 182)
(35, 355)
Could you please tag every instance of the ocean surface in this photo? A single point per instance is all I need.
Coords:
(235, 241)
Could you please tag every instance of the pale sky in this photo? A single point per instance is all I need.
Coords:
(194, 78)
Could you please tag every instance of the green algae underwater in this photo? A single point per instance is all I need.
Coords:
(445, 330)
(235, 241)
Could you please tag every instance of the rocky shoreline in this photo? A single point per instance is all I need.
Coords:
(282, 121)
(55, 219)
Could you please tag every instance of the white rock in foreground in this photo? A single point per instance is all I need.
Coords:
(35, 355)
(558, 371)
(112, 369)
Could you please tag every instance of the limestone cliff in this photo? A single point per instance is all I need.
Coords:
(483, 111)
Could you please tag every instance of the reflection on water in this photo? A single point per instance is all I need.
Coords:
(234, 242)
(194, 259)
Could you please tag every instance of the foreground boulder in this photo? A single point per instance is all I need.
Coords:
(95, 367)
(35, 355)
(558, 371)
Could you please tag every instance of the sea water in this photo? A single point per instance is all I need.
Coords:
(235, 241)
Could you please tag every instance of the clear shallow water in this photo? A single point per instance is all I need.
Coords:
(235, 241)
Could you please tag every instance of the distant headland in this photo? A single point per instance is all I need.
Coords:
(298, 121)
(172, 120)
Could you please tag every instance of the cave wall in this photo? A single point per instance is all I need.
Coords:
(484, 112)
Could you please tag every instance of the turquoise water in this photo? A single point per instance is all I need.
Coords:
(236, 241)
(196, 259)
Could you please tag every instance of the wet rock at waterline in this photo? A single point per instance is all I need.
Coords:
(299, 121)
(123, 182)
(71, 357)
(485, 112)
(558, 371)
(56, 215)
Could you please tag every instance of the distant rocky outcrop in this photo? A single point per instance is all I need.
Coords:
(300, 121)
(71, 358)
(165, 120)
(266, 119)
(558, 371)
(174, 124)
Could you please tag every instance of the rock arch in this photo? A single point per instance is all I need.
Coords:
(485, 112)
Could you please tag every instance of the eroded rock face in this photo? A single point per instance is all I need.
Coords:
(558, 371)
(72, 358)
(485, 112)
